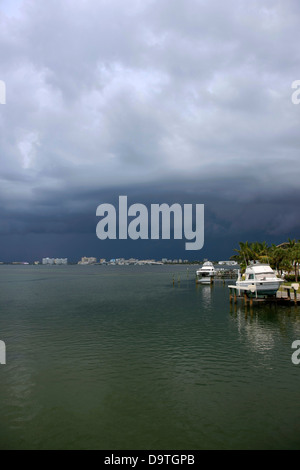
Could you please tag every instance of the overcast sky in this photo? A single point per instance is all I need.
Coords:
(161, 100)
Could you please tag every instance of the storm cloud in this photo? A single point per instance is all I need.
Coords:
(186, 101)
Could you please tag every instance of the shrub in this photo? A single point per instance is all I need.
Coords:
(290, 277)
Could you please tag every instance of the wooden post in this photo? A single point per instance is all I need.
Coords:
(295, 296)
(230, 295)
(295, 288)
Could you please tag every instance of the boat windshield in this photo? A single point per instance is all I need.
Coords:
(265, 276)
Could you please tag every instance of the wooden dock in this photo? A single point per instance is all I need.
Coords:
(287, 296)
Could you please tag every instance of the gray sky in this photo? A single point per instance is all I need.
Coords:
(182, 98)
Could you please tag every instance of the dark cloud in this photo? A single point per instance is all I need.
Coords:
(163, 103)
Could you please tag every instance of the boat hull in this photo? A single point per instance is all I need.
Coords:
(205, 280)
(262, 288)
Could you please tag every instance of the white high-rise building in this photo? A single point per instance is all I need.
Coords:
(57, 261)
(48, 261)
(61, 261)
(86, 260)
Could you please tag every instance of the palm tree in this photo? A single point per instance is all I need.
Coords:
(260, 252)
(243, 255)
(283, 257)
(291, 258)
(294, 256)
(278, 258)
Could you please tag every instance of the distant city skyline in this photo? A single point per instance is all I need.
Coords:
(89, 261)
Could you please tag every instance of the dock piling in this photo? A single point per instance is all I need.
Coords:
(295, 288)
(230, 295)
(250, 295)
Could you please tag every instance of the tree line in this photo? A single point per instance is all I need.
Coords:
(285, 258)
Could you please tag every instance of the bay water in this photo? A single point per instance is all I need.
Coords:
(122, 357)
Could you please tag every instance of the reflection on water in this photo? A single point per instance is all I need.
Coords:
(263, 325)
(120, 358)
(259, 335)
(206, 294)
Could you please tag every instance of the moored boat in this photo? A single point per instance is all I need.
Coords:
(260, 279)
(205, 275)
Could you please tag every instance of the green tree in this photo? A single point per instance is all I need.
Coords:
(244, 255)
(294, 257)
(283, 257)
(278, 258)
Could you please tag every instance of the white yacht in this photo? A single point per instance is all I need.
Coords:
(261, 279)
(205, 275)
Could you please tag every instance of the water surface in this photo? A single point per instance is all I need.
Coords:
(104, 357)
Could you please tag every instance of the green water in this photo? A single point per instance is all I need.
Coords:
(118, 358)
